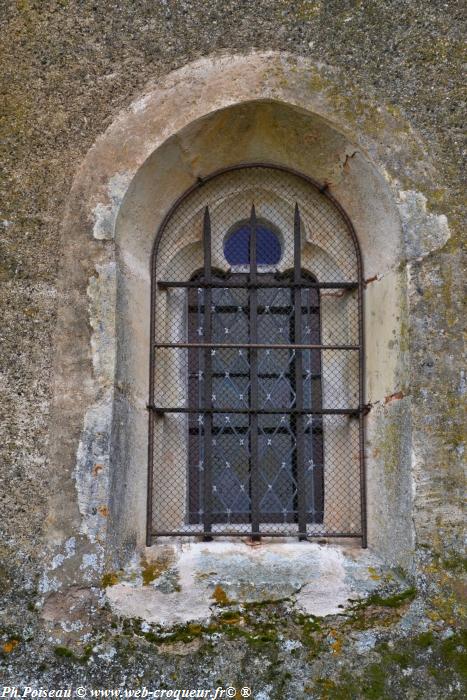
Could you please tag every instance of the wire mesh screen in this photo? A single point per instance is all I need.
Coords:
(256, 362)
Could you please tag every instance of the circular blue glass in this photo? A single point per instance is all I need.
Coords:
(237, 246)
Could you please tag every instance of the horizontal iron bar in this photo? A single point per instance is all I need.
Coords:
(273, 310)
(248, 533)
(316, 429)
(234, 284)
(262, 411)
(261, 375)
(256, 346)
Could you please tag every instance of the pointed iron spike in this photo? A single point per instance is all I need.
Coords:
(297, 221)
(207, 244)
(297, 244)
(253, 243)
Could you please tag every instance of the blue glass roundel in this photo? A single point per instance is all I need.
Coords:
(237, 246)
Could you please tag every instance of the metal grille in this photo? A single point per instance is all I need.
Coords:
(256, 387)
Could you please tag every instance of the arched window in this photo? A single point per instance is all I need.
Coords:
(237, 245)
(256, 400)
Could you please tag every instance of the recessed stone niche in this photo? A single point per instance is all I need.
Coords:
(208, 116)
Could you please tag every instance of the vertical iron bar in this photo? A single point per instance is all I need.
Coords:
(207, 416)
(299, 437)
(254, 388)
(317, 440)
(151, 418)
(361, 392)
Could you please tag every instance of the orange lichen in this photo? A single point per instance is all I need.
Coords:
(336, 646)
(9, 646)
(220, 596)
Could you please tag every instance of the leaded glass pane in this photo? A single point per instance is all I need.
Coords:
(231, 388)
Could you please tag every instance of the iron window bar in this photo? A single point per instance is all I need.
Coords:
(254, 383)
(298, 417)
(225, 309)
(261, 375)
(256, 346)
(258, 284)
(253, 534)
(207, 434)
(260, 411)
(315, 429)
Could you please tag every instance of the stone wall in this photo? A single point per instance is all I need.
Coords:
(388, 73)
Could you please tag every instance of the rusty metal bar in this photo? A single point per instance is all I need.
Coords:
(256, 535)
(254, 383)
(259, 284)
(363, 407)
(207, 423)
(256, 346)
(260, 411)
(298, 361)
(317, 445)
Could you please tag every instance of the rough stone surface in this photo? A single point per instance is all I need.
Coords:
(320, 580)
(69, 68)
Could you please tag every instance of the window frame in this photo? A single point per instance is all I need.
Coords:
(155, 411)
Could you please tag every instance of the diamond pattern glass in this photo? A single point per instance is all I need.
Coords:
(231, 432)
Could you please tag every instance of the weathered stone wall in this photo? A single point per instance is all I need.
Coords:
(392, 72)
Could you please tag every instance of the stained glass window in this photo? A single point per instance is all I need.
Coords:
(237, 245)
(275, 433)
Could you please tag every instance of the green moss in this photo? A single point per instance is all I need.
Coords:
(181, 635)
(270, 602)
(260, 635)
(383, 679)
(256, 635)
(424, 640)
(109, 579)
(393, 601)
(455, 563)
(377, 611)
(151, 570)
(346, 687)
(256, 627)
(374, 684)
(311, 632)
(453, 651)
(231, 617)
(64, 652)
(330, 690)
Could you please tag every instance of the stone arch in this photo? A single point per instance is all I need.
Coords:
(216, 112)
